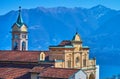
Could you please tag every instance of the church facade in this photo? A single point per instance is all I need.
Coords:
(71, 54)
(68, 56)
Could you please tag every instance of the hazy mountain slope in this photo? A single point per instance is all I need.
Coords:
(98, 27)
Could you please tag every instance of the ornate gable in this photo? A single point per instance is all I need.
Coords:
(15, 28)
(23, 28)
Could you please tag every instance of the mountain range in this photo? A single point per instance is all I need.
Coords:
(99, 28)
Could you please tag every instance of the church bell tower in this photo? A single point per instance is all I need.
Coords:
(19, 34)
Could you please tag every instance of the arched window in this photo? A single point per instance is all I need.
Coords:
(16, 36)
(42, 56)
(15, 46)
(91, 76)
(69, 64)
(77, 60)
(23, 36)
(69, 61)
(84, 62)
(23, 45)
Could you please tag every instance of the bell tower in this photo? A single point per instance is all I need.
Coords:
(19, 34)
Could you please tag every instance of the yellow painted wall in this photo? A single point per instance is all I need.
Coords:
(23, 28)
(15, 28)
(59, 64)
(77, 38)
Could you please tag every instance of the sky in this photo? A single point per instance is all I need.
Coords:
(8, 5)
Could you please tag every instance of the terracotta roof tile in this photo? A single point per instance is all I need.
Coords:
(23, 56)
(54, 72)
(58, 72)
(37, 69)
(11, 73)
(65, 42)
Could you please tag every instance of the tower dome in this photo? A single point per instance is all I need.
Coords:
(76, 37)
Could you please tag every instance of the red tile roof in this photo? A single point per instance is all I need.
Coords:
(37, 69)
(22, 56)
(58, 72)
(54, 72)
(12, 73)
(65, 42)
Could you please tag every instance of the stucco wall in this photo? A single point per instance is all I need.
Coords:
(97, 72)
(33, 75)
(79, 75)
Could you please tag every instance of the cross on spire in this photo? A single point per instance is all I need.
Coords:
(19, 19)
(19, 9)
